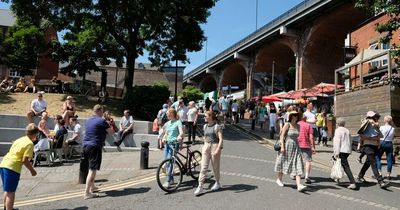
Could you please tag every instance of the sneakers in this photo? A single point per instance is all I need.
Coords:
(90, 195)
(301, 188)
(352, 187)
(215, 187)
(280, 183)
(361, 180)
(198, 190)
(167, 184)
(383, 184)
(307, 180)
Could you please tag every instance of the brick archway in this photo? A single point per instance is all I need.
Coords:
(234, 75)
(281, 53)
(208, 84)
(322, 51)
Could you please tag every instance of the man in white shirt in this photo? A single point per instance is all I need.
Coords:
(192, 120)
(125, 127)
(311, 119)
(224, 108)
(235, 109)
(38, 108)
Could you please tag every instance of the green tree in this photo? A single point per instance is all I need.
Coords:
(22, 46)
(392, 9)
(166, 29)
(192, 93)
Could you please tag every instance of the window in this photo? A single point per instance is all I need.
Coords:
(379, 46)
(14, 73)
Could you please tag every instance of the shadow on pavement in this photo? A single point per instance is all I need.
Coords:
(127, 191)
(238, 188)
(77, 208)
(101, 180)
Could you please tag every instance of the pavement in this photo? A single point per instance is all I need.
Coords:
(120, 167)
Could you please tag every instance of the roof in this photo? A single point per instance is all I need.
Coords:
(7, 18)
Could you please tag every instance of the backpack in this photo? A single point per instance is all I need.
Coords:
(162, 119)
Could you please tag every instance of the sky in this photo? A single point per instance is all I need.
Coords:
(229, 22)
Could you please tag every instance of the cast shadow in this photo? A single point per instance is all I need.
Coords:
(100, 180)
(127, 191)
(5, 98)
(78, 208)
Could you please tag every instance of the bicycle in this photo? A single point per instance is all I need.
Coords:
(174, 168)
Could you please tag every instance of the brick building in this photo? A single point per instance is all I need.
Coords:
(46, 68)
(369, 78)
(145, 74)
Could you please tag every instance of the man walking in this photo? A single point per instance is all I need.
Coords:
(307, 145)
(96, 131)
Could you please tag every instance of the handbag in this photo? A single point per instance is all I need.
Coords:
(336, 171)
(277, 146)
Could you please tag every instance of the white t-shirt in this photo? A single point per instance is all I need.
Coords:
(78, 130)
(126, 122)
(235, 107)
(183, 117)
(310, 117)
(39, 105)
(191, 114)
(224, 104)
(388, 132)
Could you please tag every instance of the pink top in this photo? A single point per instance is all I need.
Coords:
(305, 134)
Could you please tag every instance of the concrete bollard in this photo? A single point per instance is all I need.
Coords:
(144, 155)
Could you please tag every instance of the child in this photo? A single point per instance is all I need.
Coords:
(20, 153)
(324, 135)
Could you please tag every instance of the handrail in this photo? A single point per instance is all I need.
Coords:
(298, 9)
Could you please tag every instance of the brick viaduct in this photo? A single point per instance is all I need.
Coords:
(309, 38)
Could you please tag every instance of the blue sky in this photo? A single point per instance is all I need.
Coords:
(229, 22)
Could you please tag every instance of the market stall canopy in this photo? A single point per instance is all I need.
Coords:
(268, 99)
(302, 93)
(323, 88)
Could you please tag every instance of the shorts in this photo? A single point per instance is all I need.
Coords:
(10, 179)
(307, 154)
(315, 131)
(93, 154)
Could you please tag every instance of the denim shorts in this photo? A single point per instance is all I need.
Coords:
(10, 179)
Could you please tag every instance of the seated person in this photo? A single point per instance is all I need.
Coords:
(57, 125)
(43, 137)
(31, 88)
(20, 85)
(126, 127)
(11, 86)
(69, 109)
(38, 108)
(76, 138)
(59, 134)
(4, 84)
(110, 121)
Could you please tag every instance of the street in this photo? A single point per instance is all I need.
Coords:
(248, 182)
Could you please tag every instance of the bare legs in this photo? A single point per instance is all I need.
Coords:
(8, 200)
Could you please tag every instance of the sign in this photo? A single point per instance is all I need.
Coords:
(230, 87)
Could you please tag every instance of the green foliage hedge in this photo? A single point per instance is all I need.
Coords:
(145, 101)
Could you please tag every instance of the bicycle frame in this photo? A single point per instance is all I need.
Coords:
(176, 155)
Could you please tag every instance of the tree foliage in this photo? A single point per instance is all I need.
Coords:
(22, 46)
(166, 29)
(191, 93)
(392, 9)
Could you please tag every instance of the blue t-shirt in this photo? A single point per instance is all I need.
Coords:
(173, 130)
(95, 134)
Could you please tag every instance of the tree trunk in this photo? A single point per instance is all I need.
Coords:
(129, 71)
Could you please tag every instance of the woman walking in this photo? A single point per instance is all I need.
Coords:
(211, 150)
(172, 140)
(342, 149)
(386, 145)
(289, 160)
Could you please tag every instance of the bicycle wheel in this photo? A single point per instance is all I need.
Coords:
(195, 164)
(169, 183)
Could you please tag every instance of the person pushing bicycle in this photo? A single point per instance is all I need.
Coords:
(173, 138)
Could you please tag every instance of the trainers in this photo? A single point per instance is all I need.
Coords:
(301, 188)
(167, 184)
(215, 187)
(361, 180)
(307, 180)
(280, 183)
(383, 184)
(352, 187)
(198, 190)
(90, 195)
